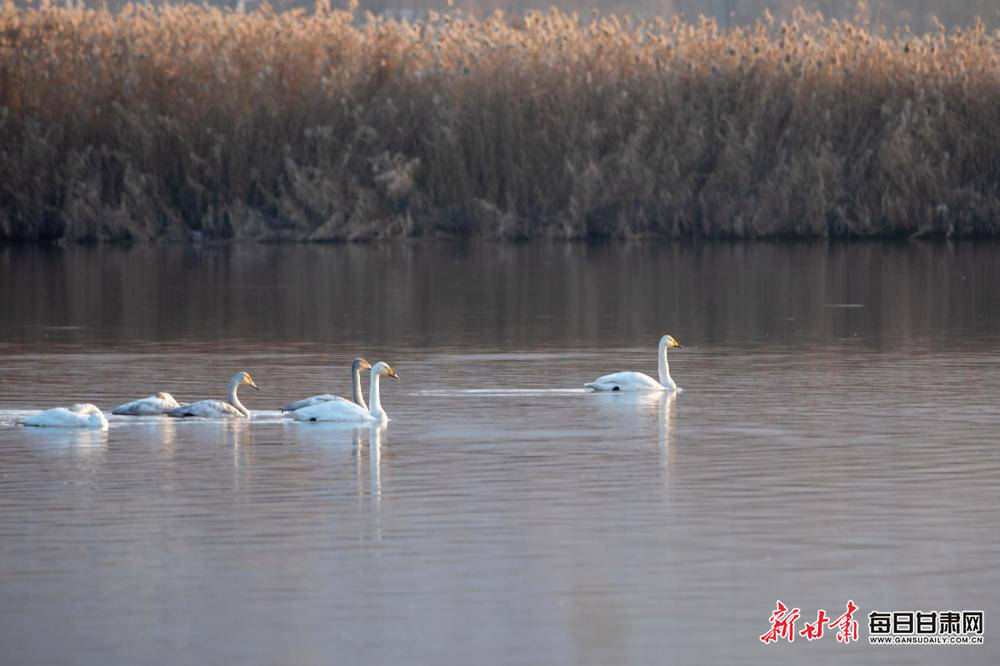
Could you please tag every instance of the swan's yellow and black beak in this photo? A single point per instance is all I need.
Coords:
(392, 373)
(249, 382)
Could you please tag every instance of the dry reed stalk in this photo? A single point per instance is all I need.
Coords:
(155, 123)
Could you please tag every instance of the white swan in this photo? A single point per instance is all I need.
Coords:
(216, 408)
(637, 381)
(357, 396)
(80, 415)
(342, 410)
(158, 403)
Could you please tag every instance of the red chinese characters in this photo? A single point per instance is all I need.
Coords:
(782, 624)
(815, 630)
(847, 626)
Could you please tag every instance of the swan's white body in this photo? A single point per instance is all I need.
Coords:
(216, 408)
(81, 415)
(358, 397)
(346, 411)
(335, 410)
(159, 403)
(637, 381)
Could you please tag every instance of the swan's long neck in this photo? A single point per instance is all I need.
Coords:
(375, 408)
(234, 400)
(664, 368)
(356, 394)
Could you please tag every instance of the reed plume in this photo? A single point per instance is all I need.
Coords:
(167, 122)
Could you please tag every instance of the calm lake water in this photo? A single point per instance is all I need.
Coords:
(837, 438)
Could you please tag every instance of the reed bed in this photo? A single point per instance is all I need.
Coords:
(187, 121)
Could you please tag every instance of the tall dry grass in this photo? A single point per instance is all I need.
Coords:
(159, 123)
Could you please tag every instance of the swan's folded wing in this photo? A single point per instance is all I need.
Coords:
(129, 408)
(333, 410)
(309, 402)
(77, 416)
(148, 406)
(206, 408)
(57, 416)
(625, 381)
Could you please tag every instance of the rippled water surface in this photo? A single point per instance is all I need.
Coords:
(836, 438)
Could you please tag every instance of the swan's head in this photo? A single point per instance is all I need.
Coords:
(668, 342)
(245, 378)
(84, 408)
(98, 420)
(383, 370)
(95, 417)
(166, 397)
(359, 364)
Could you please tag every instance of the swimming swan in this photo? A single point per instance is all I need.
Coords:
(80, 415)
(158, 403)
(637, 381)
(216, 408)
(357, 365)
(342, 410)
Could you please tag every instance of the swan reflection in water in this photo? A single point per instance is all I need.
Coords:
(339, 441)
(157, 431)
(665, 425)
(84, 443)
(372, 436)
(631, 410)
(232, 433)
(375, 462)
